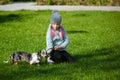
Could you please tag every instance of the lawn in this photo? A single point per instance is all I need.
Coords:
(94, 43)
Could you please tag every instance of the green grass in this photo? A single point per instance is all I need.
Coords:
(94, 43)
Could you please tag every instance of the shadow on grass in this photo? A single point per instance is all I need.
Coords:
(77, 31)
(103, 59)
(32, 73)
(10, 17)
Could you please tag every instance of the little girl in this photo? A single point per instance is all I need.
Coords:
(57, 41)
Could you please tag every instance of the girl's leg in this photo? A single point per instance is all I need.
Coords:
(50, 59)
(54, 57)
(67, 57)
(60, 56)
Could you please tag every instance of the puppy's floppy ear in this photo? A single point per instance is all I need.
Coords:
(43, 52)
(39, 51)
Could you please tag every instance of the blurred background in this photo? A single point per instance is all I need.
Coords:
(68, 2)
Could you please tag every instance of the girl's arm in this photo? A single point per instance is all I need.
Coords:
(49, 42)
(66, 40)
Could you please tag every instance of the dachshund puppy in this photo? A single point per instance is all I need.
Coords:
(27, 57)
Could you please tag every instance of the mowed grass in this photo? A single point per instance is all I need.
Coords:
(94, 43)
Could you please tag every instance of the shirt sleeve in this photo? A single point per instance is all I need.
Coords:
(49, 42)
(66, 40)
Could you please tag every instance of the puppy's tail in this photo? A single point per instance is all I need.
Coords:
(8, 59)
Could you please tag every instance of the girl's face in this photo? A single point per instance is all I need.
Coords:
(55, 26)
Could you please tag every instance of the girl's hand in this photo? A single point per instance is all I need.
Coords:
(57, 47)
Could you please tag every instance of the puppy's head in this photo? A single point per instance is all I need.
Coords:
(42, 53)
